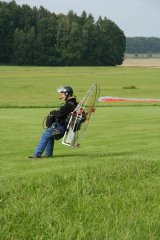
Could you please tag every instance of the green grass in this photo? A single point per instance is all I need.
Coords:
(36, 86)
(106, 189)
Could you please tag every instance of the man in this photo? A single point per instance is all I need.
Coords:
(56, 123)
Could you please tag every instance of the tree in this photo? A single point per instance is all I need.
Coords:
(89, 39)
(24, 44)
(45, 50)
(143, 45)
(31, 36)
(9, 17)
(110, 44)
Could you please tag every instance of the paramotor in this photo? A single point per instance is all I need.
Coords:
(79, 119)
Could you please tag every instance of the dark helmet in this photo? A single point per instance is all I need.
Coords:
(67, 90)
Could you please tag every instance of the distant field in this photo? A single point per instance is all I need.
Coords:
(36, 86)
(109, 188)
(142, 62)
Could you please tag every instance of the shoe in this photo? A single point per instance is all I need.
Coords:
(34, 156)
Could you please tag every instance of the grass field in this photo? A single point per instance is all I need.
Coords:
(36, 86)
(109, 188)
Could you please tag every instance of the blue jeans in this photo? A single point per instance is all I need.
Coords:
(47, 140)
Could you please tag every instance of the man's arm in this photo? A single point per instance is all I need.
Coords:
(63, 111)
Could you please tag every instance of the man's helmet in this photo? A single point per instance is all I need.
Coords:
(67, 90)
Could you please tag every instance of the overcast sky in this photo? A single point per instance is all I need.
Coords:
(134, 17)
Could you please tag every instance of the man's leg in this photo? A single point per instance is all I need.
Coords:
(58, 130)
(45, 139)
(49, 148)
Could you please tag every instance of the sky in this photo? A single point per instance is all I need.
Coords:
(136, 18)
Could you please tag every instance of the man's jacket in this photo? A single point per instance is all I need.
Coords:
(61, 114)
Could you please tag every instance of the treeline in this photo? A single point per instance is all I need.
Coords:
(31, 36)
(142, 45)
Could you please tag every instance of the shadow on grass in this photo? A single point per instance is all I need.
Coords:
(94, 155)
